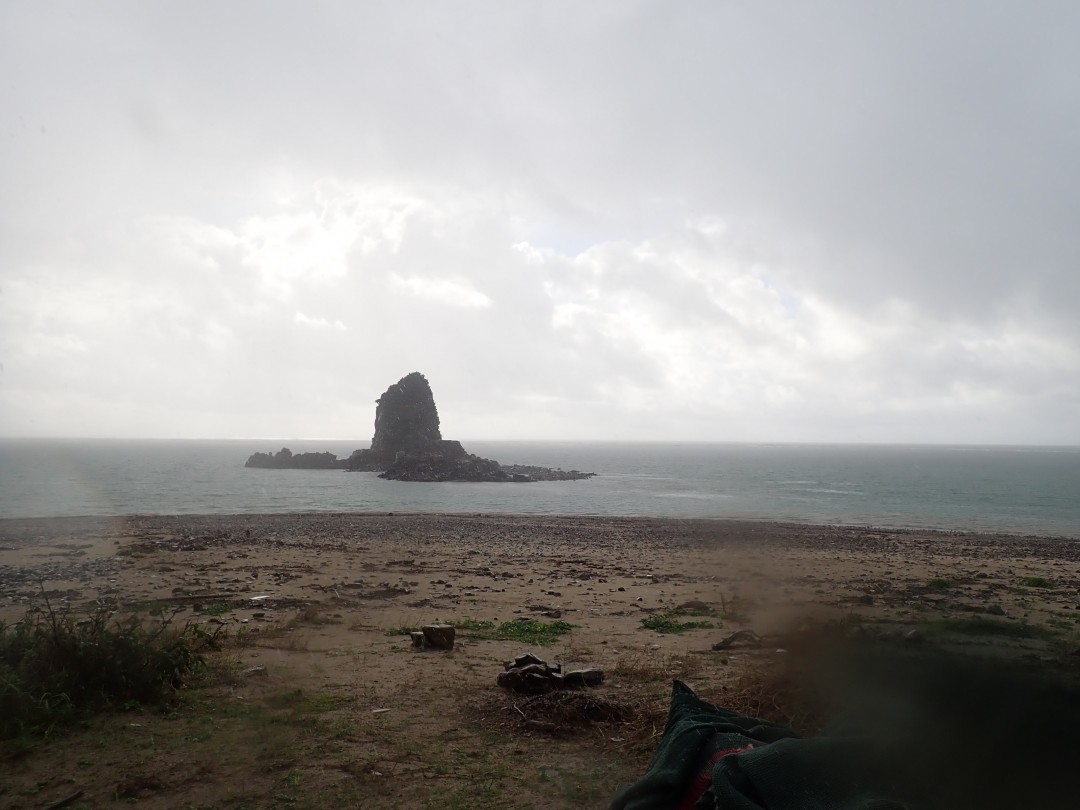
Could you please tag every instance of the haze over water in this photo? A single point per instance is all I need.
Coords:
(1024, 490)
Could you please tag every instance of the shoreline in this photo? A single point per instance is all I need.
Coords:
(845, 559)
(785, 523)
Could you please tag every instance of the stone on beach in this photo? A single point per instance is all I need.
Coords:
(531, 675)
(434, 637)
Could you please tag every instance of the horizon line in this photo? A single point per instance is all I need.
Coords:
(781, 442)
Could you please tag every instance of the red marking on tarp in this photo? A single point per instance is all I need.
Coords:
(701, 782)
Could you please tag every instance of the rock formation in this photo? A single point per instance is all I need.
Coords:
(408, 446)
(284, 459)
(406, 420)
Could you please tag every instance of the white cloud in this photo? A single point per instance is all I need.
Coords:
(729, 238)
(452, 292)
(319, 323)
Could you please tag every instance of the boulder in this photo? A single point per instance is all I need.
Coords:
(439, 636)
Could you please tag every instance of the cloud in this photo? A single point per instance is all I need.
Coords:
(455, 293)
(319, 323)
(646, 220)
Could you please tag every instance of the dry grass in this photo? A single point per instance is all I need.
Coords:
(652, 666)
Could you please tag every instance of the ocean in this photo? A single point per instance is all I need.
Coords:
(1018, 490)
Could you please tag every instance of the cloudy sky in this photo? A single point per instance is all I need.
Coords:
(821, 221)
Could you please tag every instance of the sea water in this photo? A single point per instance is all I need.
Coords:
(1024, 490)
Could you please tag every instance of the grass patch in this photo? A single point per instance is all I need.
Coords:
(54, 667)
(303, 703)
(402, 630)
(477, 628)
(525, 631)
(669, 622)
(1036, 582)
(938, 584)
(983, 626)
(216, 609)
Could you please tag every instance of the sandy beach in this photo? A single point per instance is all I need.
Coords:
(324, 602)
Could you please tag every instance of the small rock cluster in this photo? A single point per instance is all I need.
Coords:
(530, 675)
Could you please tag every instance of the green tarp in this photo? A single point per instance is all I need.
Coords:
(709, 757)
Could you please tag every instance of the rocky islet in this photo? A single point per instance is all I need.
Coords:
(408, 446)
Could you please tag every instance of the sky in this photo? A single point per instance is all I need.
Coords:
(673, 221)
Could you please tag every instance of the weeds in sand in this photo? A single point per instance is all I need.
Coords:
(530, 631)
(982, 626)
(402, 630)
(478, 628)
(649, 666)
(525, 631)
(54, 666)
(669, 622)
(732, 608)
(1036, 582)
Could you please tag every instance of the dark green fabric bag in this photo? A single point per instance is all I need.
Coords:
(710, 757)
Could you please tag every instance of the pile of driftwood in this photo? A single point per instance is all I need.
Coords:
(529, 675)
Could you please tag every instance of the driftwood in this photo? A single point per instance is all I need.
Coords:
(64, 802)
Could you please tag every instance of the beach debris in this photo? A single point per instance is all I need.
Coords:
(531, 675)
(583, 677)
(747, 638)
(255, 670)
(561, 712)
(541, 725)
(695, 606)
(434, 636)
(64, 802)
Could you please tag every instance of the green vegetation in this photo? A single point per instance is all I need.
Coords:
(526, 631)
(938, 584)
(1036, 582)
(54, 667)
(668, 621)
(531, 631)
(982, 626)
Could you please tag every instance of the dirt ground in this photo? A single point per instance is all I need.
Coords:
(320, 700)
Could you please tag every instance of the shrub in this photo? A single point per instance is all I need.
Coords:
(54, 666)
